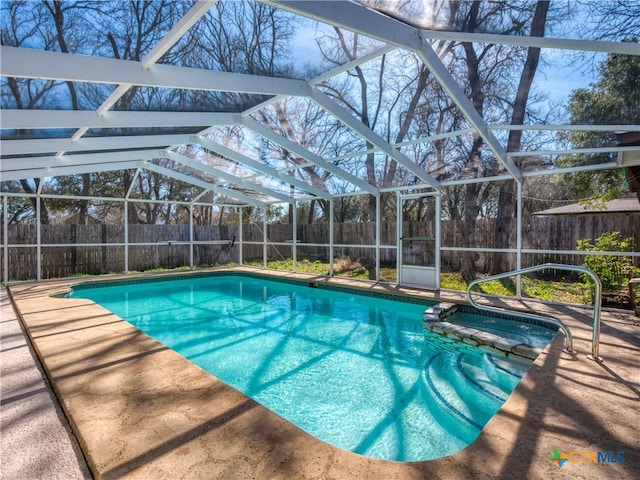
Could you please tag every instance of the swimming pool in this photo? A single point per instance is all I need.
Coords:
(359, 372)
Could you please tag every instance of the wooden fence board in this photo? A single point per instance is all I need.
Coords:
(539, 233)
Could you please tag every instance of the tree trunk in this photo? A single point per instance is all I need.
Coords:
(508, 193)
(44, 211)
(471, 208)
(132, 212)
(312, 207)
(56, 9)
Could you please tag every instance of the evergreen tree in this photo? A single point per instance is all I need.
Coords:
(614, 99)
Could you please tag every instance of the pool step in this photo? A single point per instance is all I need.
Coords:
(461, 393)
(439, 312)
(478, 338)
(445, 403)
(473, 373)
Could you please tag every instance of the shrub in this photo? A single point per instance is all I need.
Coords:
(613, 270)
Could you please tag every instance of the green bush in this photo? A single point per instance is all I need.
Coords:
(613, 270)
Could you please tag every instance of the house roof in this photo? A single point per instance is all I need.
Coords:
(619, 205)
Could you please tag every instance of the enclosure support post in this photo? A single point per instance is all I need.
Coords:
(5, 237)
(191, 235)
(240, 249)
(378, 219)
(519, 238)
(126, 237)
(38, 238)
(294, 237)
(398, 239)
(331, 212)
(437, 234)
(264, 239)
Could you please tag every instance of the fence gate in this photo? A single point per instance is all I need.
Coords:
(419, 240)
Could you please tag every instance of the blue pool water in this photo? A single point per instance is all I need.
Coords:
(358, 372)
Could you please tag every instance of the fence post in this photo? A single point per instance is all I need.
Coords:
(104, 268)
(74, 248)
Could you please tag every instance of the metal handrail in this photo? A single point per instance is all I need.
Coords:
(597, 306)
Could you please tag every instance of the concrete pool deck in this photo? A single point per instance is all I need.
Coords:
(36, 441)
(141, 411)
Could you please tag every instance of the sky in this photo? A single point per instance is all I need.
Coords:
(558, 74)
(559, 78)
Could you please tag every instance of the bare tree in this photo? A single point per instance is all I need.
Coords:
(612, 20)
(489, 83)
(391, 97)
(507, 197)
(21, 25)
(58, 11)
(250, 37)
(305, 124)
(129, 34)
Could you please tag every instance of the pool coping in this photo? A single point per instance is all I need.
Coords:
(140, 410)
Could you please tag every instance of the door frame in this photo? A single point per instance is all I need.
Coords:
(413, 275)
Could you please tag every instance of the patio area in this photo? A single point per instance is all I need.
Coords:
(139, 410)
(36, 440)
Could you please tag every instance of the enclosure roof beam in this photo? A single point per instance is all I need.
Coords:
(172, 36)
(60, 171)
(55, 119)
(325, 76)
(446, 80)
(195, 13)
(533, 128)
(573, 128)
(133, 183)
(49, 65)
(93, 159)
(581, 168)
(624, 48)
(190, 162)
(378, 52)
(569, 151)
(356, 18)
(466, 131)
(301, 152)
(251, 163)
(89, 144)
(197, 198)
(371, 137)
(337, 8)
(202, 184)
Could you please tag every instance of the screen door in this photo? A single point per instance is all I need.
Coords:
(419, 241)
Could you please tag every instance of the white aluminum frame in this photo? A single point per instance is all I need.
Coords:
(412, 275)
(78, 154)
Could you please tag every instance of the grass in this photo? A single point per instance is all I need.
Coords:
(542, 289)
(303, 266)
(563, 290)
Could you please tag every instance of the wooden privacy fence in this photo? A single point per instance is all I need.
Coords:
(69, 250)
